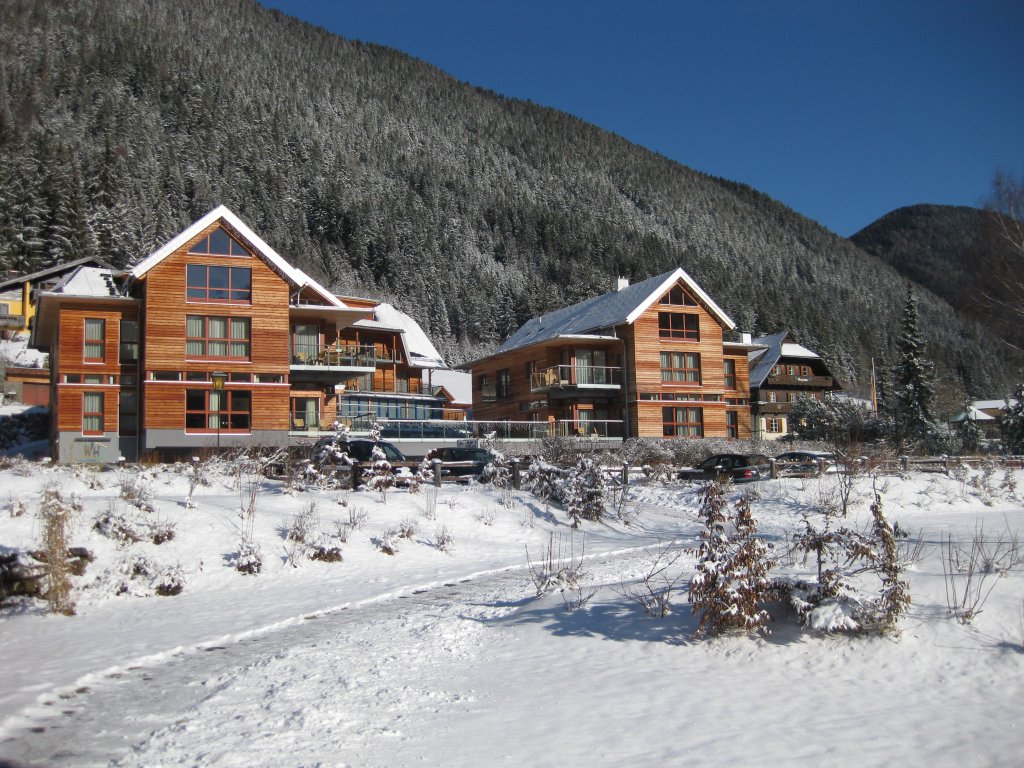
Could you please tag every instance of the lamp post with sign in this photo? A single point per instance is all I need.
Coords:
(219, 377)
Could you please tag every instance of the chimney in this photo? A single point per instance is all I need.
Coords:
(622, 282)
(746, 338)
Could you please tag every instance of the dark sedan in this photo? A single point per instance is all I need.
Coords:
(738, 467)
(328, 450)
(462, 462)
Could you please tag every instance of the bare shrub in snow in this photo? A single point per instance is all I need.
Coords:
(56, 514)
(136, 490)
(387, 542)
(731, 585)
(116, 526)
(408, 528)
(430, 501)
(17, 507)
(304, 523)
(972, 571)
(357, 517)
(487, 516)
(141, 576)
(658, 584)
(561, 568)
(444, 540)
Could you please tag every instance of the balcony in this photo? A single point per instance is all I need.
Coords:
(341, 357)
(575, 377)
(807, 382)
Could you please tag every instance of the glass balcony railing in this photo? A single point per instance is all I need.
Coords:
(342, 356)
(562, 376)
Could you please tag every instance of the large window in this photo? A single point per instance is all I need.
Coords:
(676, 325)
(129, 341)
(306, 344)
(305, 413)
(95, 340)
(226, 285)
(92, 413)
(680, 367)
(207, 410)
(224, 338)
(730, 373)
(682, 422)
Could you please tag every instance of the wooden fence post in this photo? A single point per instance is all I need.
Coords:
(774, 468)
(357, 475)
(436, 465)
(625, 474)
(515, 474)
(904, 462)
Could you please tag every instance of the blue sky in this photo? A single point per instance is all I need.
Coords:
(843, 111)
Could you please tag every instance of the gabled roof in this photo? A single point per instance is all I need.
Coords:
(609, 310)
(57, 269)
(778, 345)
(90, 281)
(296, 276)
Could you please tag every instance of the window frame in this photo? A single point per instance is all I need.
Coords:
(127, 344)
(503, 384)
(672, 426)
(93, 414)
(686, 374)
(677, 292)
(732, 424)
(729, 372)
(100, 342)
(212, 417)
(199, 291)
(679, 326)
(228, 341)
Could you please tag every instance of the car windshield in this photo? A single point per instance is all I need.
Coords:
(471, 454)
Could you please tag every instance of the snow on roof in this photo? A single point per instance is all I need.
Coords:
(420, 351)
(607, 311)
(458, 383)
(975, 415)
(790, 349)
(88, 281)
(296, 276)
(989, 405)
(54, 270)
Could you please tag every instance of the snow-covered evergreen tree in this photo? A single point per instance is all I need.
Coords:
(1013, 424)
(913, 394)
(585, 492)
(731, 584)
(380, 475)
(970, 432)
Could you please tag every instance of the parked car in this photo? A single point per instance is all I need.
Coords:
(737, 467)
(472, 461)
(800, 463)
(329, 450)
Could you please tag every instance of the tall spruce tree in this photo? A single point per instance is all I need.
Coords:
(913, 392)
(1013, 424)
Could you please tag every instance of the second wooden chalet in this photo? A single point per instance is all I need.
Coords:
(647, 360)
(781, 372)
(214, 341)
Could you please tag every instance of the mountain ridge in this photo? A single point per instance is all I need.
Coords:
(121, 122)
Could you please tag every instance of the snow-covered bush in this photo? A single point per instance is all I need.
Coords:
(249, 558)
(544, 480)
(141, 576)
(408, 528)
(444, 540)
(894, 596)
(731, 585)
(136, 490)
(380, 475)
(584, 492)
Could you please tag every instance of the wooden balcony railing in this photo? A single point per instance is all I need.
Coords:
(785, 380)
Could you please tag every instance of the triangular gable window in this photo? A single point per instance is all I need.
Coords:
(219, 243)
(678, 297)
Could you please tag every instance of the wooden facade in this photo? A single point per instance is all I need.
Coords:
(659, 369)
(215, 341)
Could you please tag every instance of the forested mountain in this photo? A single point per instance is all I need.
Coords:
(956, 252)
(121, 121)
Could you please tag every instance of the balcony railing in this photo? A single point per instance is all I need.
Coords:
(786, 380)
(582, 376)
(451, 430)
(12, 321)
(342, 356)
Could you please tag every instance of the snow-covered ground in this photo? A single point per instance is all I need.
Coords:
(431, 657)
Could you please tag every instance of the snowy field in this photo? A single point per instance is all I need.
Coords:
(447, 657)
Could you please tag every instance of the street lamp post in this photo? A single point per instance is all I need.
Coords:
(219, 377)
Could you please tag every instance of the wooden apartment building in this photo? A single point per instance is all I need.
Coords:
(647, 360)
(215, 340)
